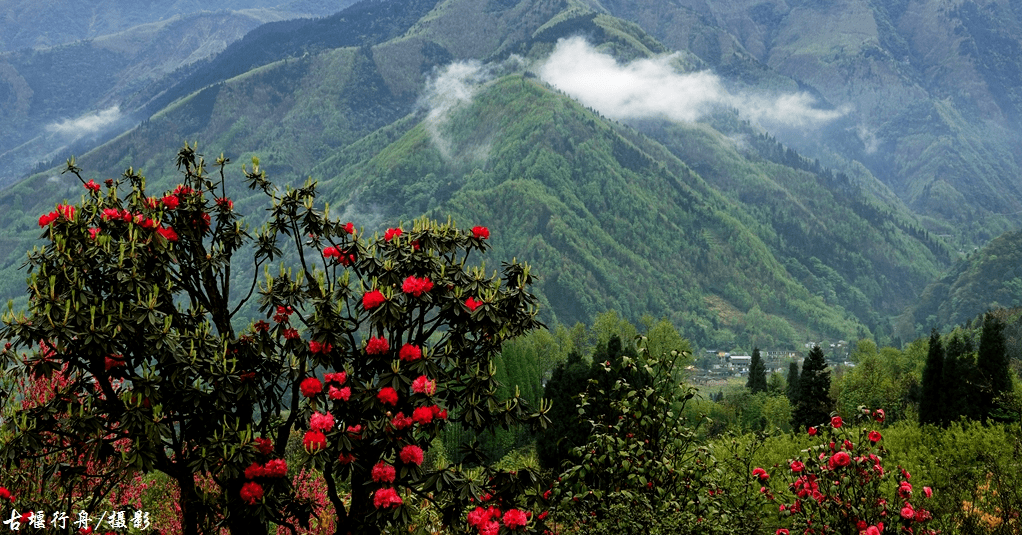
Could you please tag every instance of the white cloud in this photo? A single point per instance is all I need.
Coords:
(86, 125)
(453, 87)
(654, 89)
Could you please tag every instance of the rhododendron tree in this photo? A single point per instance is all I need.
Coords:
(374, 345)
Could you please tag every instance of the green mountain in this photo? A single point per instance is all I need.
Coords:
(400, 108)
(988, 279)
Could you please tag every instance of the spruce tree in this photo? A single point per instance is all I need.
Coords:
(757, 373)
(931, 406)
(959, 380)
(793, 383)
(814, 404)
(992, 365)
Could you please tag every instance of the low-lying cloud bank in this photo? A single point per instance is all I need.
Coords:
(654, 89)
(86, 125)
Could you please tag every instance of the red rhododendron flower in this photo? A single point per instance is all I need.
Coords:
(168, 233)
(411, 454)
(472, 304)
(410, 353)
(338, 377)
(264, 445)
(812, 431)
(416, 286)
(46, 219)
(879, 415)
(253, 471)
(314, 440)
(797, 466)
(383, 473)
(514, 518)
(261, 326)
(874, 436)
(343, 394)
(321, 422)
(781, 531)
(423, 385)
(760, 473)
(275, 468)
(113, 361)
(391, 233)
(928, 492)
(422, 415)
(110, 213)
(91, 185)
(315, 346)
(6, 494)
(386, 497)
(251, 492)
(907, 512)
(182, 189)
(345, 458)
(310, 387)
(291, 334)
(373, 299)
(66, 210)
(387, 396)
(225, 203)
(377, 345)
(438, 412)
(349, 228)
(481, 232)
(401, 421)
(836, 422)
(170, 201)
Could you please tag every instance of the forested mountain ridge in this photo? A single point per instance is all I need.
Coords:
(442, 113)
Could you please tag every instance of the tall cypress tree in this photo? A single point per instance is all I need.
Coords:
(757, 373)
(793, 383)
(931, 406)
(554, 444)
(960, 380)
(993, 366)
(814, 404)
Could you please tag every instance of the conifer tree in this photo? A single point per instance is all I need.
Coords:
(565, 432)
(757, 374)
(992, 364)
(814, 404)
(959, 379)
(931, 406)
(793, 383)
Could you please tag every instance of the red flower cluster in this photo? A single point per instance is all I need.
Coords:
(318, 347)
(310, 386)
(387, 396)
(343, 257)
(251, 492)
(836, 422)
(345, 458)
(401, 421)
(314, 441)
(91, 185)
(416, 286)
(321, 422)
(343, 394)
(760, 473)
(66, 210)
(411, 454)
(480, 232)
(275, 468)
(6, 494)
(874, 436)
(514, 518)
(168, 233)
(423, 385)
(373, 299)
(283, 313)
(383, 473)
(410, 353)
(170, 201)
(485, 520)
(839, 459)
(386, 497)
(349, 228)
(391, 233)
(377, 345)
(264, 445)
(291, 334)
(225, 203)
(472, 304)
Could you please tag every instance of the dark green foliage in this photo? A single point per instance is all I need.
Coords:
(757, 373)
(814, 404)
(931, 406)
(793, 383)
(992, 364)
(959, 380)
(567, 430)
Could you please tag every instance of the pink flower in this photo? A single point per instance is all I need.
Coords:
(760, 473)
(383, 473)
(928, 492)
(874, 436)
(480, 232)
(797, 466)
(905, 490)
(251, 492)
(386, 497)
(416, 286)
(168, 233)
(321, 422)
(879, 415)
(410, 353)
(91, 185)
(377, 346)
(812, 431)
(840, 458)
(836, 422)
(343, 394)
(314, 441)
(411, 454)
(472, 304)
(349, 228)
(423, 385)
(514, 518)
(170, 201)
(387, 396)
(391, 233)
(310, 387)
(401, 421)
(872, 530)
(781, 531)
(907, 512)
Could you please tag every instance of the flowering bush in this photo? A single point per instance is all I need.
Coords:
(841, 486)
